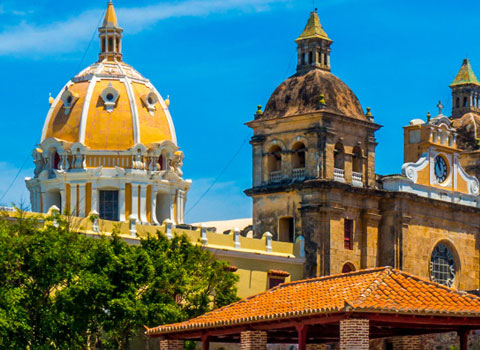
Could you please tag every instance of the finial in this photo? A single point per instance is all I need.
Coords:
(321, 102)
(369, 114)
(167, 101)
(259, 109)
(50, 98)
(428, 116)
(440, 107)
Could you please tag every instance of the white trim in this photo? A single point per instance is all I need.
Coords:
(167, 113)
(52, 108)
(410, 170)
(255, 255)
(133, 109)
(86, 105)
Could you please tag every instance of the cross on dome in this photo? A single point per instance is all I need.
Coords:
(110, 36)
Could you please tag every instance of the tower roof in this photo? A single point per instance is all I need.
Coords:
(110, 19)
(313, 29)
(466, 75)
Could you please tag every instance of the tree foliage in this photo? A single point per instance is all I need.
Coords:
(63, 290)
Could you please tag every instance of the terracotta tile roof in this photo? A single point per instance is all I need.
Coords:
(313, 29)
(376, 290)
(279, 273)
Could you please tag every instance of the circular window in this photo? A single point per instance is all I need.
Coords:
(442, 265)
(69, 99)
(109, 96)
(150, 100)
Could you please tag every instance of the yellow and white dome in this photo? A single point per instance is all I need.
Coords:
(109, 106)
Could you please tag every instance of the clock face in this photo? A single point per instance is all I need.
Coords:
(440, 169)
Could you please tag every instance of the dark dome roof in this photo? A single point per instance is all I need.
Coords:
(468, 131)
(301, 93)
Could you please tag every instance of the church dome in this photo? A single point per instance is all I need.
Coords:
(109, 106)
(468, 131)
(301, 93)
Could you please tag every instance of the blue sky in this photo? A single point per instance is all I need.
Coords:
(218, 59)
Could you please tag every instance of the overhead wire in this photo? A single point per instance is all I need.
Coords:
(218, 176)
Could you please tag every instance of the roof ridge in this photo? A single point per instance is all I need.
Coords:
(387, 271)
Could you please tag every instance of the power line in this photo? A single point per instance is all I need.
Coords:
(90, 43)
(15, 178)
(219, 175)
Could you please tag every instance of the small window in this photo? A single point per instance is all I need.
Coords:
(108, 205)
(310, 57)
(298, 158)
(275, 281)
(357, 160)
(348, 234)
(348, 268)
(286, 229)
(465, 102)
(110, 45)
(160, 162)
(457, 102)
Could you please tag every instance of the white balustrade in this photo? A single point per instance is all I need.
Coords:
(357, 179)
(298, 173)
(339, 175)
(276, 176)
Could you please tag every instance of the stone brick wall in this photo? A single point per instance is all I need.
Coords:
(172, 345)
(316, 346)
(253, 340)
(354, 334)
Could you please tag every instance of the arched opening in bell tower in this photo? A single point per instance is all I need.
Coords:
(339, 156)
(298, 160)
(51, 198)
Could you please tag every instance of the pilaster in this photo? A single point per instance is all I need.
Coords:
(253, 340)
(354, 334)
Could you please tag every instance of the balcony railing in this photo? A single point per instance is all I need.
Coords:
(357, 179)
(339, 175)
(276, 176)
(298, 173)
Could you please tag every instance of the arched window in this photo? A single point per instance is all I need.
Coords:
(55, 160)
(275, 159)
(465, 102)
(442, 265)
(457, 102)
(347, 267)
(298, 160)
(160, 163)
(339, 156)
(357, 160)
(110, 44)
(310, 57)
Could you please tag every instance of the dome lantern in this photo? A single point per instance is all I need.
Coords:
(313, 46)
(110, 36)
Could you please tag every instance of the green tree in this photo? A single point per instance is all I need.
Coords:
(60, 289)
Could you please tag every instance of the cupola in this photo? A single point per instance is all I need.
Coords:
(110, 36)
(313, 46)
(465, 91)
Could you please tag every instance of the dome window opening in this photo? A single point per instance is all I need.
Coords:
(56, 160)
(109, 96)
(150, 100)
(68, 98)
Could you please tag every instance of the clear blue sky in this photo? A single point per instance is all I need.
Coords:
(218, 59)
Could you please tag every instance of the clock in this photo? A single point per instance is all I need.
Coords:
(441, 169)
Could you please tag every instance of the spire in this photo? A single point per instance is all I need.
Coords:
(110, 16)
(110, 36)
(313, 29)
(313, 46)
(466, 75)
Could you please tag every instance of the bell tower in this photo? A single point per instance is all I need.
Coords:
(313, 46)
(465, 91)
(110, 36)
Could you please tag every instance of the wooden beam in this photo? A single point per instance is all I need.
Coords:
(463, 334)
(205, 342)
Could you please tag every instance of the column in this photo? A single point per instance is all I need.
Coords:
(63, 200)
(172, 344)
(135, 201)
(81, 200)
(180, 207)
(253, 340)
(172, 207)
(143, 204)
(205, 342)
(154, 205)
(354, 334)
(73, 200)
(302, 337)
(463, 335)
(94, 199)
(121, 203)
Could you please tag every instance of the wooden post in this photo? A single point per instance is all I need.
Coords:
(205, 342)
(463, 334)
(302, 337)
